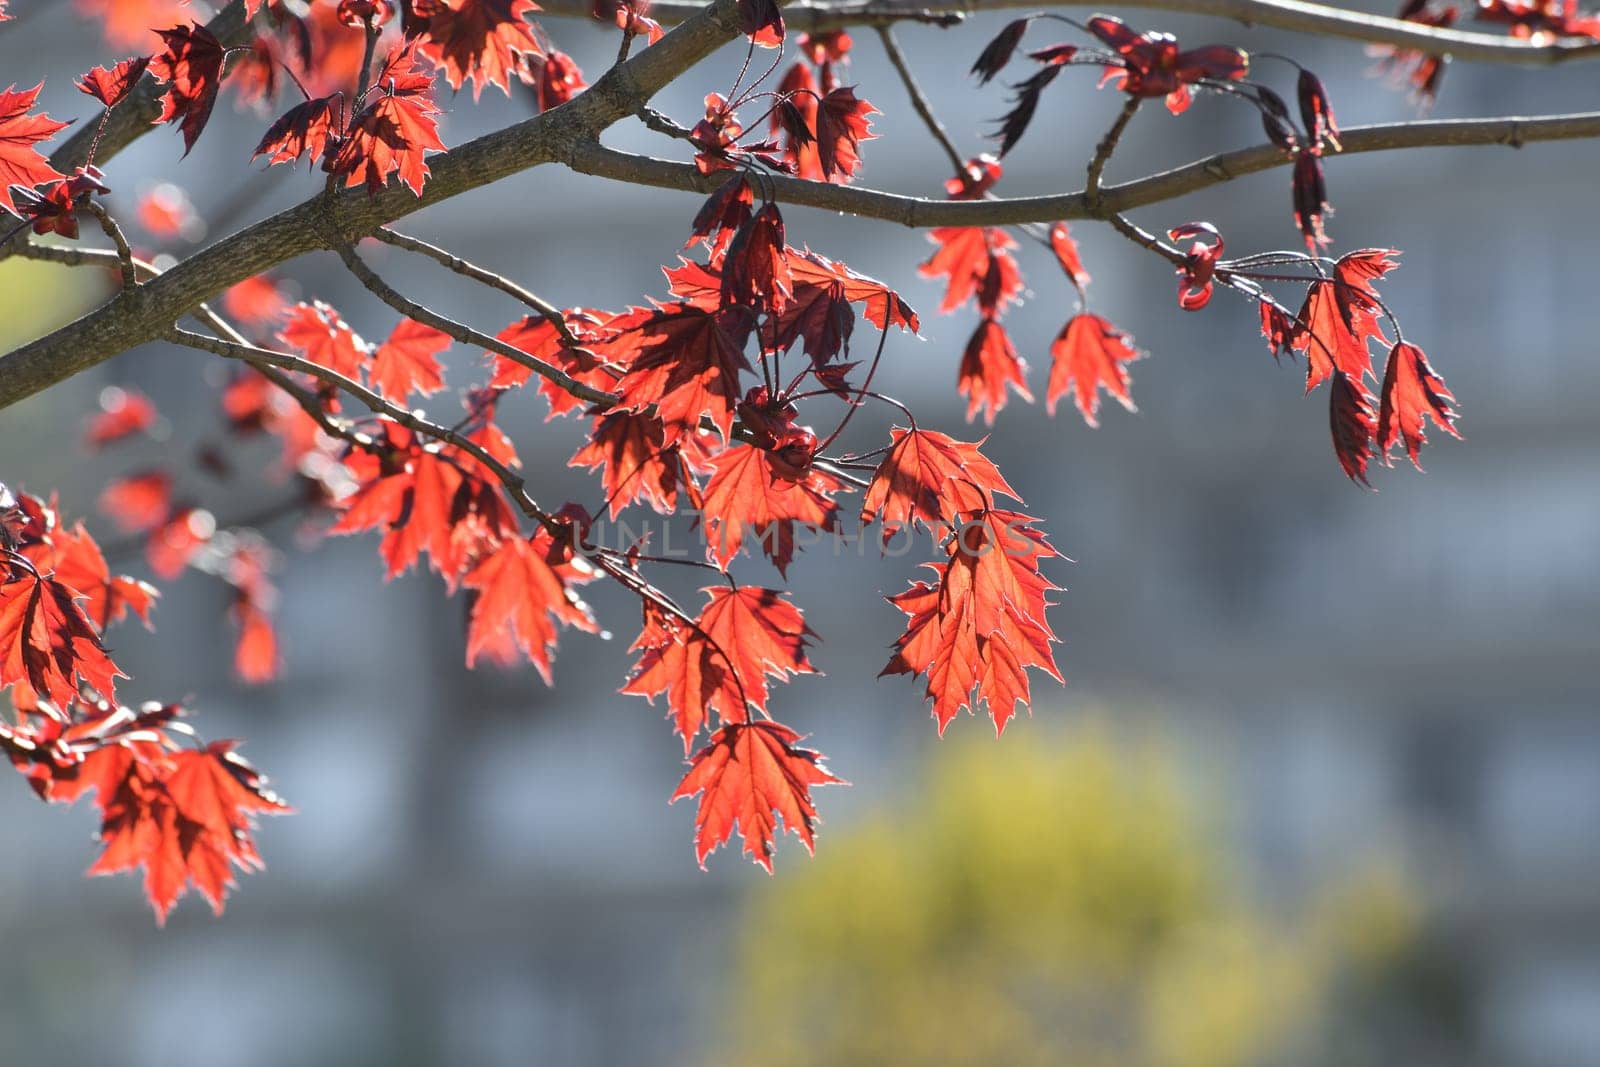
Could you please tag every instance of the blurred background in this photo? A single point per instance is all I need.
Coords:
(1322, 787)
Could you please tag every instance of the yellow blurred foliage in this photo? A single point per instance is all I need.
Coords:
(35, 298)
(1053, 901)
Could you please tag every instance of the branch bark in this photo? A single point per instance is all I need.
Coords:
(921, 212)
(1299, 16)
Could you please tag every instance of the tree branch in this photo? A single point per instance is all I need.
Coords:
(1297, 15)
(1168, 185)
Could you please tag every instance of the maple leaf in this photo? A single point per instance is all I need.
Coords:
(123, 413)
(997, 53)
(975, 260)
(1340, 316)
(1310, 198)
(1151, 64)
(930, 478)
(47, 642)
(79, 565)
(112, 86)
(749, 776)
(684, 361)
(187, 819)
(20, 162)
(394, 130)
(538, 337)
(480, 40)
(755, 271)
(720, 664)
(1066, 251)
(1350, 416)
(409, 492)
(1412, 394)
(637, 462)
(1090, 354)
(819, 311)
(406, 363)
(524, 590)
(974, 630)
(318, 333)
(178, 540)
(723, 214)
(990, 363)
(138, 502)
(841, 127)
(255, 652)
(303, 130)
(555, 77)
(751, 493)
(192, 68)
(256, 300)
(761, 21)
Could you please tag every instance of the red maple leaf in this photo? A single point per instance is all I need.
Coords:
(255, 651)
(750, 493)
(538, 337)
(406, 363)
(930, 478)
(20, 162)
(685, 362)
(123, 413)
(192, 68)
(409, 492)
(749, 776)
(555, 77)
(79, 565)
(1340, 316)
(483, 40)
(1066, 250)
(187, 819)
(819, 311)
(1090, 354)
(112, 86)
(974, 630)
(304, 130)
(394, 129)
(46, 641)
(723, 213)
(1412, 394)
(256, 301)
(989, 364)
(841, 127)
(318, 333)
(138, 502)
(1350, 417)
(720, 664)
(755, 271)
(524, 589)
(974, 260)
(637, 462)
(172, 545)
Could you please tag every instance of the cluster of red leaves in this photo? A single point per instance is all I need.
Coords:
(389, 129)
(819, 122)
(978, 265)
(184, 814)
(1333, 330)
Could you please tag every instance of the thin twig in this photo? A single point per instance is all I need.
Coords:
(452, 262)
(125, 264)
(919, 100)
(466, 334)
